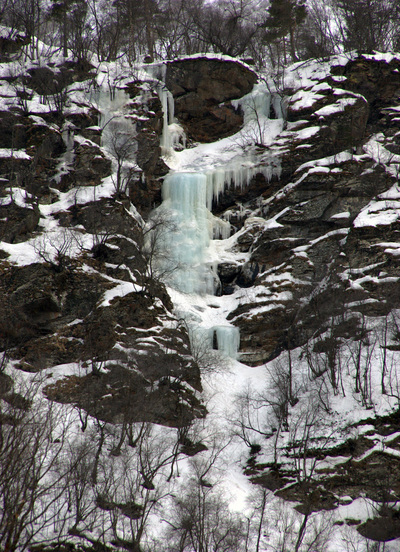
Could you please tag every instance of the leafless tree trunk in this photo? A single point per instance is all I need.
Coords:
(32, 488)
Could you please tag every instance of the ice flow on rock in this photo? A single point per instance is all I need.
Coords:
(188, 195)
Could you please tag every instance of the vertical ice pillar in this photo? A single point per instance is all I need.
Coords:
(187, 234)
(228, 340)
(167, 103)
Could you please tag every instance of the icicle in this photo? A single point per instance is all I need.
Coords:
(238, 173)
(256, 104)
(67, 159)
(221, 229)
(177, 136)
(117, 130)
(170, 135)
(165, 137)
(167, 103)
(201, 339)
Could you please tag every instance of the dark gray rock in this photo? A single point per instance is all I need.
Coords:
(202, 89)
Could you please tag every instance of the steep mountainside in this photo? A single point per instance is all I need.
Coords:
(305, 170)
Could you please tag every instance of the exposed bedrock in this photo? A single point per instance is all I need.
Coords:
(316, 241)
(146, 110)
(203, 89)
(54, 313)
(308, 263)
(378, 81)
(301, 271)
(331, 131)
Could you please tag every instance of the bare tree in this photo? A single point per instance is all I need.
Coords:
(318, 37)
(172, 28)
(200, 519)
(26, 16)
(157, 261)
(361, 351)
(227, 27)
(107, 31)
(123, 148)
(367, 25)
(33, 440)
(289, 531)
(56, 248)
(352, 541)
(133, 485)
(266, 414)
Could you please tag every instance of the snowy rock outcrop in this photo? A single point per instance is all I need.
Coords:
(299, 214)
(77, 288)
(328, 216)
(203, 89)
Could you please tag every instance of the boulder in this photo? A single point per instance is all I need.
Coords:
(13, 130)
(90, 164)
(378, 81)
(17, 223)
(11, 42)
(203, 89)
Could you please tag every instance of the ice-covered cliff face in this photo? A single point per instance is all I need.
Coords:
(310, 272)
(199, 175)
(279, 221)
(281, 185)
(291, 183)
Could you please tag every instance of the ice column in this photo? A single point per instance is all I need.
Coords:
(187, 234)
(167, 102)
(225, 338)
(173, 136)
(228, 339)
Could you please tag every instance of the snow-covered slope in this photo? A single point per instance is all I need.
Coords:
(155, 421)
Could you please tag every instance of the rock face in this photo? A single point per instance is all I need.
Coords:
(59, 307)
(203, 89)
(317, 249)
(316, 204)
(377, 80)
(318, 233)
(40, 301)
(146, 110)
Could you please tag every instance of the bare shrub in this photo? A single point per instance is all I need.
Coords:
(55, 248)
(200, 519)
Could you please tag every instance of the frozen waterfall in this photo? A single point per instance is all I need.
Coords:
(185, 239)
(118, 131)
(228, 339)
(187, 234)
(200, 174)
(225, 339)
